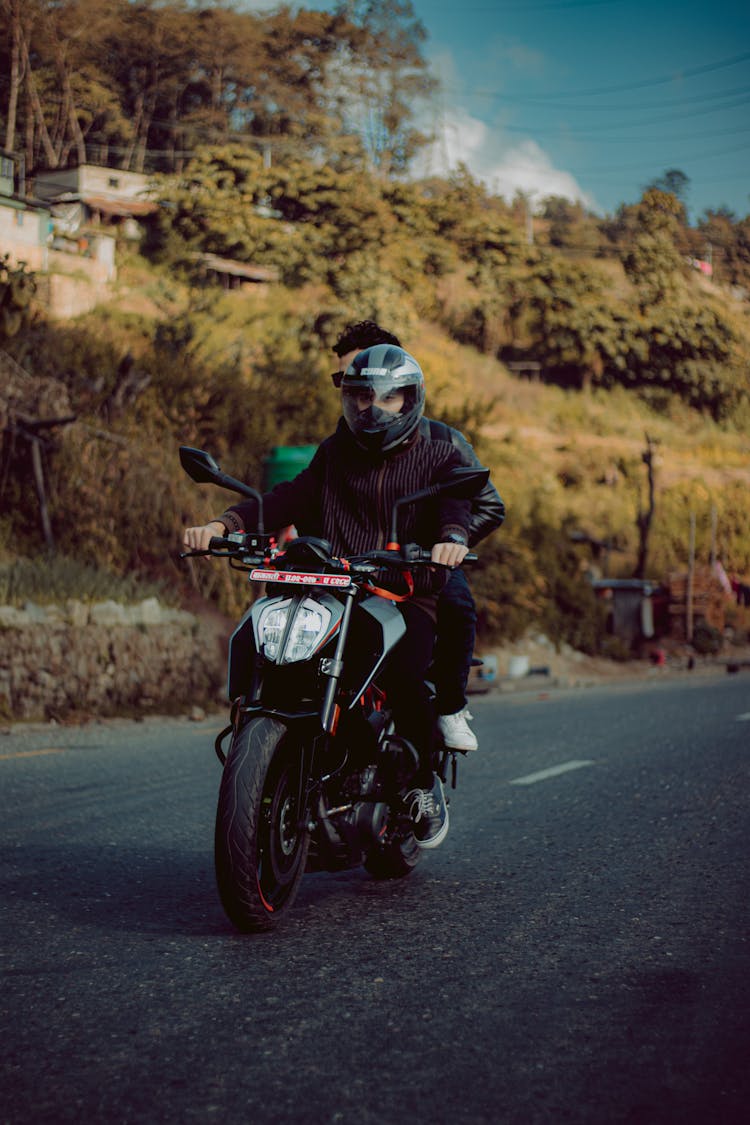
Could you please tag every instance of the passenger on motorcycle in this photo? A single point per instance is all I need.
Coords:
(376, 455)
(456, 611)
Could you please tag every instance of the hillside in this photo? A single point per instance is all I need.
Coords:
(565, 459)
(639, 363)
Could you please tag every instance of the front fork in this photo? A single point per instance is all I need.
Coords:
(332, 667)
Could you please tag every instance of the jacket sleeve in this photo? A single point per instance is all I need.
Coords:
(454, 515)
(487, 508)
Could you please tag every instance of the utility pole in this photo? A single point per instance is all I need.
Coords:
(690, 581)
(646, 515)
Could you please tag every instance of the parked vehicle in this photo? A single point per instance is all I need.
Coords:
(316, 772)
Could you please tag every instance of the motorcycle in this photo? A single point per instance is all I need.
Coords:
(316, 772)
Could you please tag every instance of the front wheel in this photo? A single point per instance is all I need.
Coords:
(260, 843)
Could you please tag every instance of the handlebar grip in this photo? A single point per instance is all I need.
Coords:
(412, 552)
(216, 541)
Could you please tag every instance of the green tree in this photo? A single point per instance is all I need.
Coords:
(653, 262)
(725, 242)
(379, 78)
(69, 91)
(570, 226)
(692, 352)
(576, 330)
(673, 182)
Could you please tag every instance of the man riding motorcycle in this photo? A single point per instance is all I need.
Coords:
(375, 456)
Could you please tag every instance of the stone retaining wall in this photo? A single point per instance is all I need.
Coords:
(105, 659)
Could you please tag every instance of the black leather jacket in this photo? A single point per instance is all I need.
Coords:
(487, 508)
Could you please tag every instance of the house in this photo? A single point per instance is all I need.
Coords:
(233, 274)
(92, 195)
(74, 270)
(25, 224)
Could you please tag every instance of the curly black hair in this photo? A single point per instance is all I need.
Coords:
(363, 334)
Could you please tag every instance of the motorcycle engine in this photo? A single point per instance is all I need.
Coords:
(367, 820)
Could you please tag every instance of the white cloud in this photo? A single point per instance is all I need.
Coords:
(526, 167)
(506, 167)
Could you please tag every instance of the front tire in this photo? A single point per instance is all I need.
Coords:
(260, 844)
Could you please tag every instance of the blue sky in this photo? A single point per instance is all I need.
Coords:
(592, 99)
(595, 98)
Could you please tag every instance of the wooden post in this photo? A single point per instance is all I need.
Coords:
(691, 577)
(644, 517)
(36, 464)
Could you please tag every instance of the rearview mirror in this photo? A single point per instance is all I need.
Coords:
(201, 467)
(461, 483)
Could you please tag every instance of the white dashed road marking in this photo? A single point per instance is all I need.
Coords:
(553, 771)
(744, 718)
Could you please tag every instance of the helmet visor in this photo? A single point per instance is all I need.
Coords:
(377, 406)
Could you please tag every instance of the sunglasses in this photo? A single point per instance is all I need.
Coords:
(337, 377)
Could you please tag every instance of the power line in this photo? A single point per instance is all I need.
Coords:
(666, 162)
(627, 87)
(539, 6)
(686, 136)
(611, 126)
(542, 102)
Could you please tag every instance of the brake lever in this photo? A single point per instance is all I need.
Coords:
(232, 551)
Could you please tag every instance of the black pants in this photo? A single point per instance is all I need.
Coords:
(454, 646)
(404, 681)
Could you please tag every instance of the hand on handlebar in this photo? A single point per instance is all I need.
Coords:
(199, 538)
(449, 554)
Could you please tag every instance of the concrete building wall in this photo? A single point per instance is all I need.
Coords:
(22, 229)
(89, 179)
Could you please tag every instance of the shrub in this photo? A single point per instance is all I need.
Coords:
(706, 639)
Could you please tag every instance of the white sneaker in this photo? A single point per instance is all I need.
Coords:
(456, 732)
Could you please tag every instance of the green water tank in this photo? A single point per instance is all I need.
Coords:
(284, 462)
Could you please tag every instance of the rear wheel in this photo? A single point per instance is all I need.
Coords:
(260, 844)
(397, 855)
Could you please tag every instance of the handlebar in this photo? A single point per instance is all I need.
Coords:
(256, 549)
(235, 545)
(408, 555)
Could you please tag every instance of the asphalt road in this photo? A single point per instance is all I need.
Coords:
(577, 951)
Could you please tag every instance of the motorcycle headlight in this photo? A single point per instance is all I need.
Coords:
(285, 641)
(271, 626)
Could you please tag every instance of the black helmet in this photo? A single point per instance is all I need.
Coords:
(382, 370)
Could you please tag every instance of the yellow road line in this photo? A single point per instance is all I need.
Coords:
(31, 753)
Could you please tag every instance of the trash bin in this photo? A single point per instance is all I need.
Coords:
(284, 462)
(518, 666)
